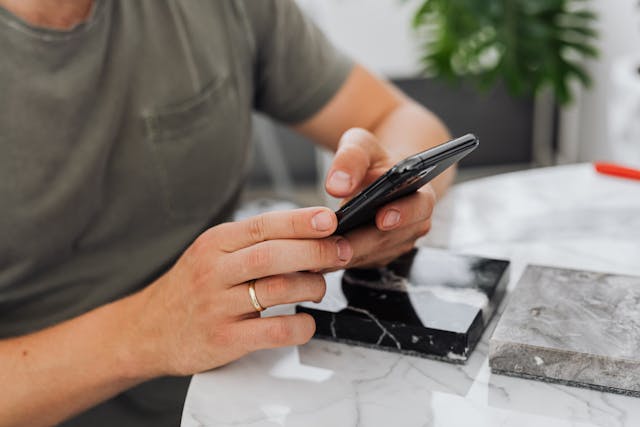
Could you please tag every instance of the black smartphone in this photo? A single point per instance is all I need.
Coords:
(404, 178)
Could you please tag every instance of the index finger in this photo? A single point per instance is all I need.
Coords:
(306, 223)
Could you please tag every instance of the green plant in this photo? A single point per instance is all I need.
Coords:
(528, 44)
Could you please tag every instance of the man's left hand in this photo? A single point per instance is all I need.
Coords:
(359, 160)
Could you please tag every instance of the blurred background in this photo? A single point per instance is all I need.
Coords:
(541, 82)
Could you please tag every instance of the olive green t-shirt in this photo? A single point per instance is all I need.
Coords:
(125, 137)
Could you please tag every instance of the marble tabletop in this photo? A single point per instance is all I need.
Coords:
(565, 216)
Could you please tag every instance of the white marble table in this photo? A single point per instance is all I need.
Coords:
(565, 216)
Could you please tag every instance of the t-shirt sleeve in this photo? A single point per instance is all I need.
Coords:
(296, 69)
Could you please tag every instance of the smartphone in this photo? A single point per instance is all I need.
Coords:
(404, 178)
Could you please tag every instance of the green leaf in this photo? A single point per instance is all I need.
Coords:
(419, 16)
(527, 44)
(585, 49)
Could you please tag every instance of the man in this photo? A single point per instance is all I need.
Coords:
(123, 142)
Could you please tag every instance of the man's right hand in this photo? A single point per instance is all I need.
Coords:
(199, 314)
(195, 317)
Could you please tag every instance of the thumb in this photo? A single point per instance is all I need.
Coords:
(357, 151)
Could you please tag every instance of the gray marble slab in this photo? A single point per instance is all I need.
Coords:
(574, 327)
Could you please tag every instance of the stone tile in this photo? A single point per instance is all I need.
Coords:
(574, 327)
(429, 303)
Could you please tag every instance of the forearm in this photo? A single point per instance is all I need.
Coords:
(50, 375)
(402, 126)
(409, 128)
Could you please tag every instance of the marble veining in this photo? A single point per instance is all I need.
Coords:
(572, 326)
(428, 303)
(384, 332)
(568, 216)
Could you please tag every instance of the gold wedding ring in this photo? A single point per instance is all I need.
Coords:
(253, 297)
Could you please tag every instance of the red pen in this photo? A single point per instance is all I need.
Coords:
(617, 170)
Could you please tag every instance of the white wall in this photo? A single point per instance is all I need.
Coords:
(376, 33)
(619, 27)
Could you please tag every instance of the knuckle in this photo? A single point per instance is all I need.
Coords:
(355, 142)
(351, 132)
(257, 228)
(292, 225)
(424, 228)
(280, 331)
(215, 269)
(308, 328)
(240, 339)
(276, 286)
(349, 136)
(430, 199)
(357, 135)
(199, 267)
(202, 243)
(430, 192)
(222, 337)
(320, 288)
(313, 287)
(321, 250)
(259, 258)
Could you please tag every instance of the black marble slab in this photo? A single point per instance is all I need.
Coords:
(429, 303)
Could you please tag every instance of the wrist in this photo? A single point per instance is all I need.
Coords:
(135, 350)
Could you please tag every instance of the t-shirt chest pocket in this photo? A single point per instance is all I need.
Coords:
(199, 149)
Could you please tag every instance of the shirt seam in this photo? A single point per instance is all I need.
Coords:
(14, 23)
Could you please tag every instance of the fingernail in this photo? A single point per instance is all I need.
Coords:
(391, 218)
(321, 221)
(344, 250)
(340, 181)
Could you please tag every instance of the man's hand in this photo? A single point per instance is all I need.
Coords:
(199, 315)
(359, 160)
(195, 317)
(399, 127)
